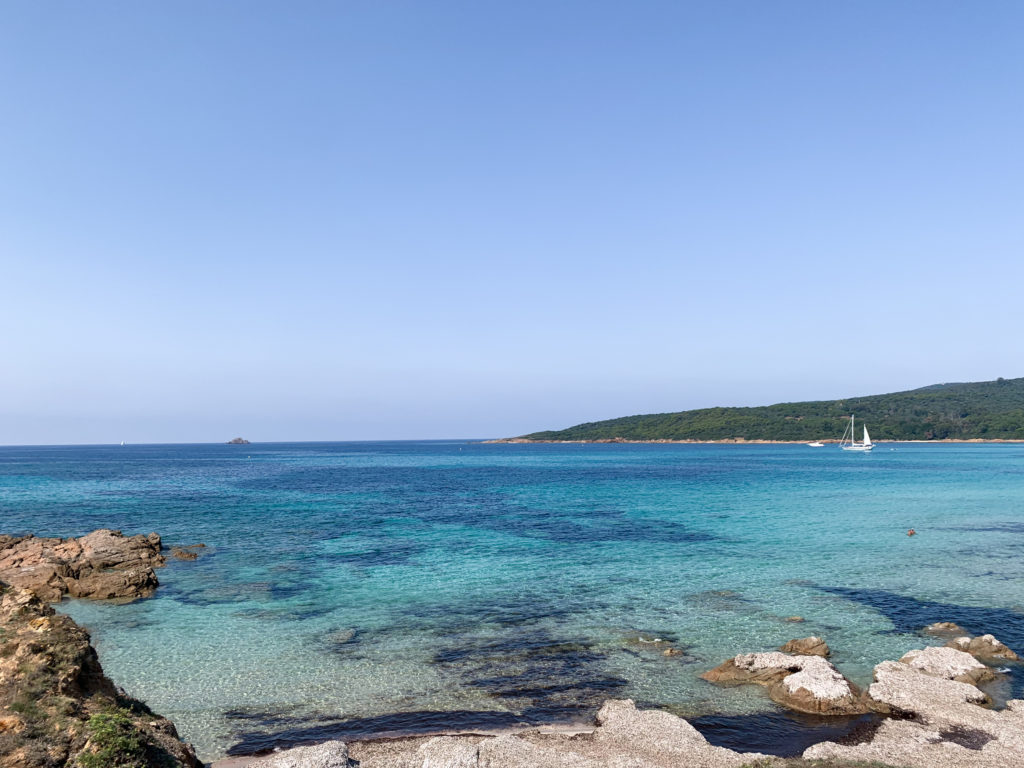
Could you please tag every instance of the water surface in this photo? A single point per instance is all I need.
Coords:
(357, 588)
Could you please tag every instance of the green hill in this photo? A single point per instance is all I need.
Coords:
(988, 410)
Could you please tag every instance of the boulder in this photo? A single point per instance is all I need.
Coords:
(656, 738)
(624, 737)
(984, 647)
(944, 628)
(104, 564)
(447, 752)
(902, 690)
(942, 721)
(511, 752)
(803, 683)
(807, 646)
(948, 663)
(329, 754)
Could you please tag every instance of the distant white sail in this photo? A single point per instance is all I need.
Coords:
(867, 438)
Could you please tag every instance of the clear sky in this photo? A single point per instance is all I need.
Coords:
(386, 219)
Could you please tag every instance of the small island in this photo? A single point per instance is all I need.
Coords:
(238, 441)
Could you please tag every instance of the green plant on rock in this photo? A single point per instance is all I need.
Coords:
(114, 742)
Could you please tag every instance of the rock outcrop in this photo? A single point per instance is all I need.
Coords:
(943, 720)
(57, 708)
(103, 565)
(624, 737)
(329, 754)
(807, 646)
(984, 647)
(949, 664)
(803, 683)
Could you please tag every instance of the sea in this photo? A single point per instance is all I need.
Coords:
(353, 590)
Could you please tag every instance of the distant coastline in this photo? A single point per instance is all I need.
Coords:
(987, 411)
(733, 441)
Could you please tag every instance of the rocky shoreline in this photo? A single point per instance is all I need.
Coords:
(103, 565)
(58, 709)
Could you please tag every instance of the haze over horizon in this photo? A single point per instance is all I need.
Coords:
(343, 221)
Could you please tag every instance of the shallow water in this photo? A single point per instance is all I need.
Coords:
(361, 588)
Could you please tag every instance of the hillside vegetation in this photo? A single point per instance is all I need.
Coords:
(988, 410)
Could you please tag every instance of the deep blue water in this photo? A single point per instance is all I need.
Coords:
(358, 588)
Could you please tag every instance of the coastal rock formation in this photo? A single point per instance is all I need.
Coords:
(238, 441)
(330, 754)
(807, 646)
(804, 683)
(102, 565)
(943, 723)
(938, 721)
(984, 647)
(57, 708)
(949, 664)
(624, 737)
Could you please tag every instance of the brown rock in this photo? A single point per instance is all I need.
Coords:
(794, 619)
(52, 685)
(102, 565)
(804, 683)
(673, 652)
(807, 646)
(180, 553)
(984, 647)
(944, 629)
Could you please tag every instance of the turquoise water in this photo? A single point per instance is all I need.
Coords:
(359, 588)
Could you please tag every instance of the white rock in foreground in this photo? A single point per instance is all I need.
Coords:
(330, 754)
(948, 663)
(949, 730)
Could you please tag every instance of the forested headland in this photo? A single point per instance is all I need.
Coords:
(987, 410)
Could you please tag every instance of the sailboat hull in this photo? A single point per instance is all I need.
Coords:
(857, 447)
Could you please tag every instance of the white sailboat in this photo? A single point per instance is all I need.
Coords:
(849, 443)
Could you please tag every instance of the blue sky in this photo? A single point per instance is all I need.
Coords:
(357, 220)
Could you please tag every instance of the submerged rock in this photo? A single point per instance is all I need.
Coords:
(944, 628)
(102, 565)
(803, 683)
(807, 646)
(59, 709)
